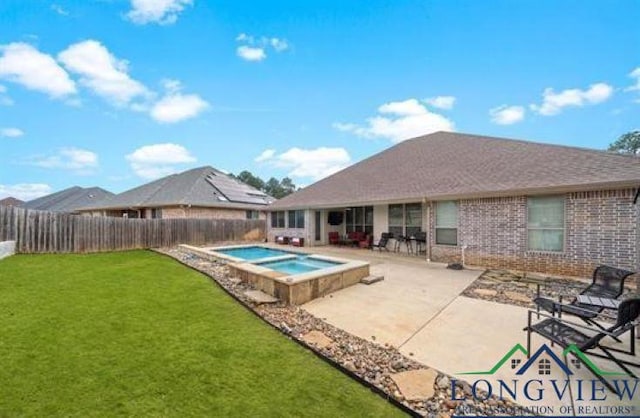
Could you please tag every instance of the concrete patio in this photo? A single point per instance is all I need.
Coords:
(418, 309)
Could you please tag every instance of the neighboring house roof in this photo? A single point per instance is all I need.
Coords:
(10, 201)
(68, 200)
(204, 187)
(446, 165)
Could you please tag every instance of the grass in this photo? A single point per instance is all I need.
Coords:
(138, 334)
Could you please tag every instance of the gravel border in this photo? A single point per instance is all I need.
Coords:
(369, 363)
(520, 288)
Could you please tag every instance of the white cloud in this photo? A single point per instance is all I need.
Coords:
(153, 161)
(553, 103)
(74, 159)
(266, 154)
(102, 72)
(279, 44)
(441, 102)
(11, 132)
(175, 106)
(507, 115)
(249, 53)
(59, 10)
(255, 49)
(399, 121)
(23, 64)
(312, 163)
(24, 191)
(5, 100)
(635, 87)
(162, 12)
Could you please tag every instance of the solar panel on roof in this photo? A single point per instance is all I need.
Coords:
(236, 191)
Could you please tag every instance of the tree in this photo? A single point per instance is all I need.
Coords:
(287, 186)
(628, 143)
(273, 187)
(253, 181)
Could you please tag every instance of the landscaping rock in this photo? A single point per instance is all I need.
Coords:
(258, 296)
(371, 279)
(485, 292)
(519, 297)
(416, 384)
(317, 339)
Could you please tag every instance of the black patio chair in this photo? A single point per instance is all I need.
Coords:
(607, 282)
(566, 334)
(382, 242)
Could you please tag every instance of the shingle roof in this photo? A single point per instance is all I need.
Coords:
(10, 201)
(453, 165)
(68, 200)
(203, 186)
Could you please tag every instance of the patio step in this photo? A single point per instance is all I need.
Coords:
(371, 279)
(258, 296)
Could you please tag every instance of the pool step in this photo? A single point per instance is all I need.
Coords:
(371, 279)
(258, 296)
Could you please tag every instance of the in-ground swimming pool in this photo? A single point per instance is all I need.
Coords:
(299, 265)
(294, 277)
(251, 253)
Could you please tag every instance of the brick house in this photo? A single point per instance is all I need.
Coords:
(495, 202)
(198, 193)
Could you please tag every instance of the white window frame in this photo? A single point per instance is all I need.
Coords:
(456, 227)
(563, 229)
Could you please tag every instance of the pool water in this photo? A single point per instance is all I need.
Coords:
(252, 253)
(299, 265)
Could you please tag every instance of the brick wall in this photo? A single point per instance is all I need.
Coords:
(601, 228)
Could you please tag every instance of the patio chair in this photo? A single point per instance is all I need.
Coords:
(567, 334)
(608, 282)
(367, 242)
(334, 238)
(382, 242)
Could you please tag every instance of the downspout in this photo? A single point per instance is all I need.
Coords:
(427, 244)
(635, 202)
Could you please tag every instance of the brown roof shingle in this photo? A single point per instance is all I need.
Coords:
(453, 165)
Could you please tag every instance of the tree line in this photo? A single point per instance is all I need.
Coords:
(273, 187)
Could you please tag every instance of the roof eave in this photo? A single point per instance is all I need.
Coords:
(531, 191)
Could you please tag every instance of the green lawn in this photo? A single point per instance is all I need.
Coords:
(138, 334)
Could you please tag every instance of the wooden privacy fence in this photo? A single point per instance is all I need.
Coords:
(52, 232)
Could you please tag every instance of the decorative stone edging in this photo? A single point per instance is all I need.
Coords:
(520, 288)
(382, 368)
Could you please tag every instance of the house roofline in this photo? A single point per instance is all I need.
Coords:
(535, 191)
(173, 205)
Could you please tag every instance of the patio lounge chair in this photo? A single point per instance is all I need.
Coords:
(587, 339)
(367, 242)
(334, 238)
(382, 243)
(608, 282)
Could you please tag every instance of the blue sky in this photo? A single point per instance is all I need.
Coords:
(115, 93)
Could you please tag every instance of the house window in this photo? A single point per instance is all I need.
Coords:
(156, 213)
(515, 362)
(545, 223)
(447, 223)
(412, 218)
(359, 219)
(253, 214)
(405, 219)
(544, 367)
(396, 220)
(296, 219)
(277, 219)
